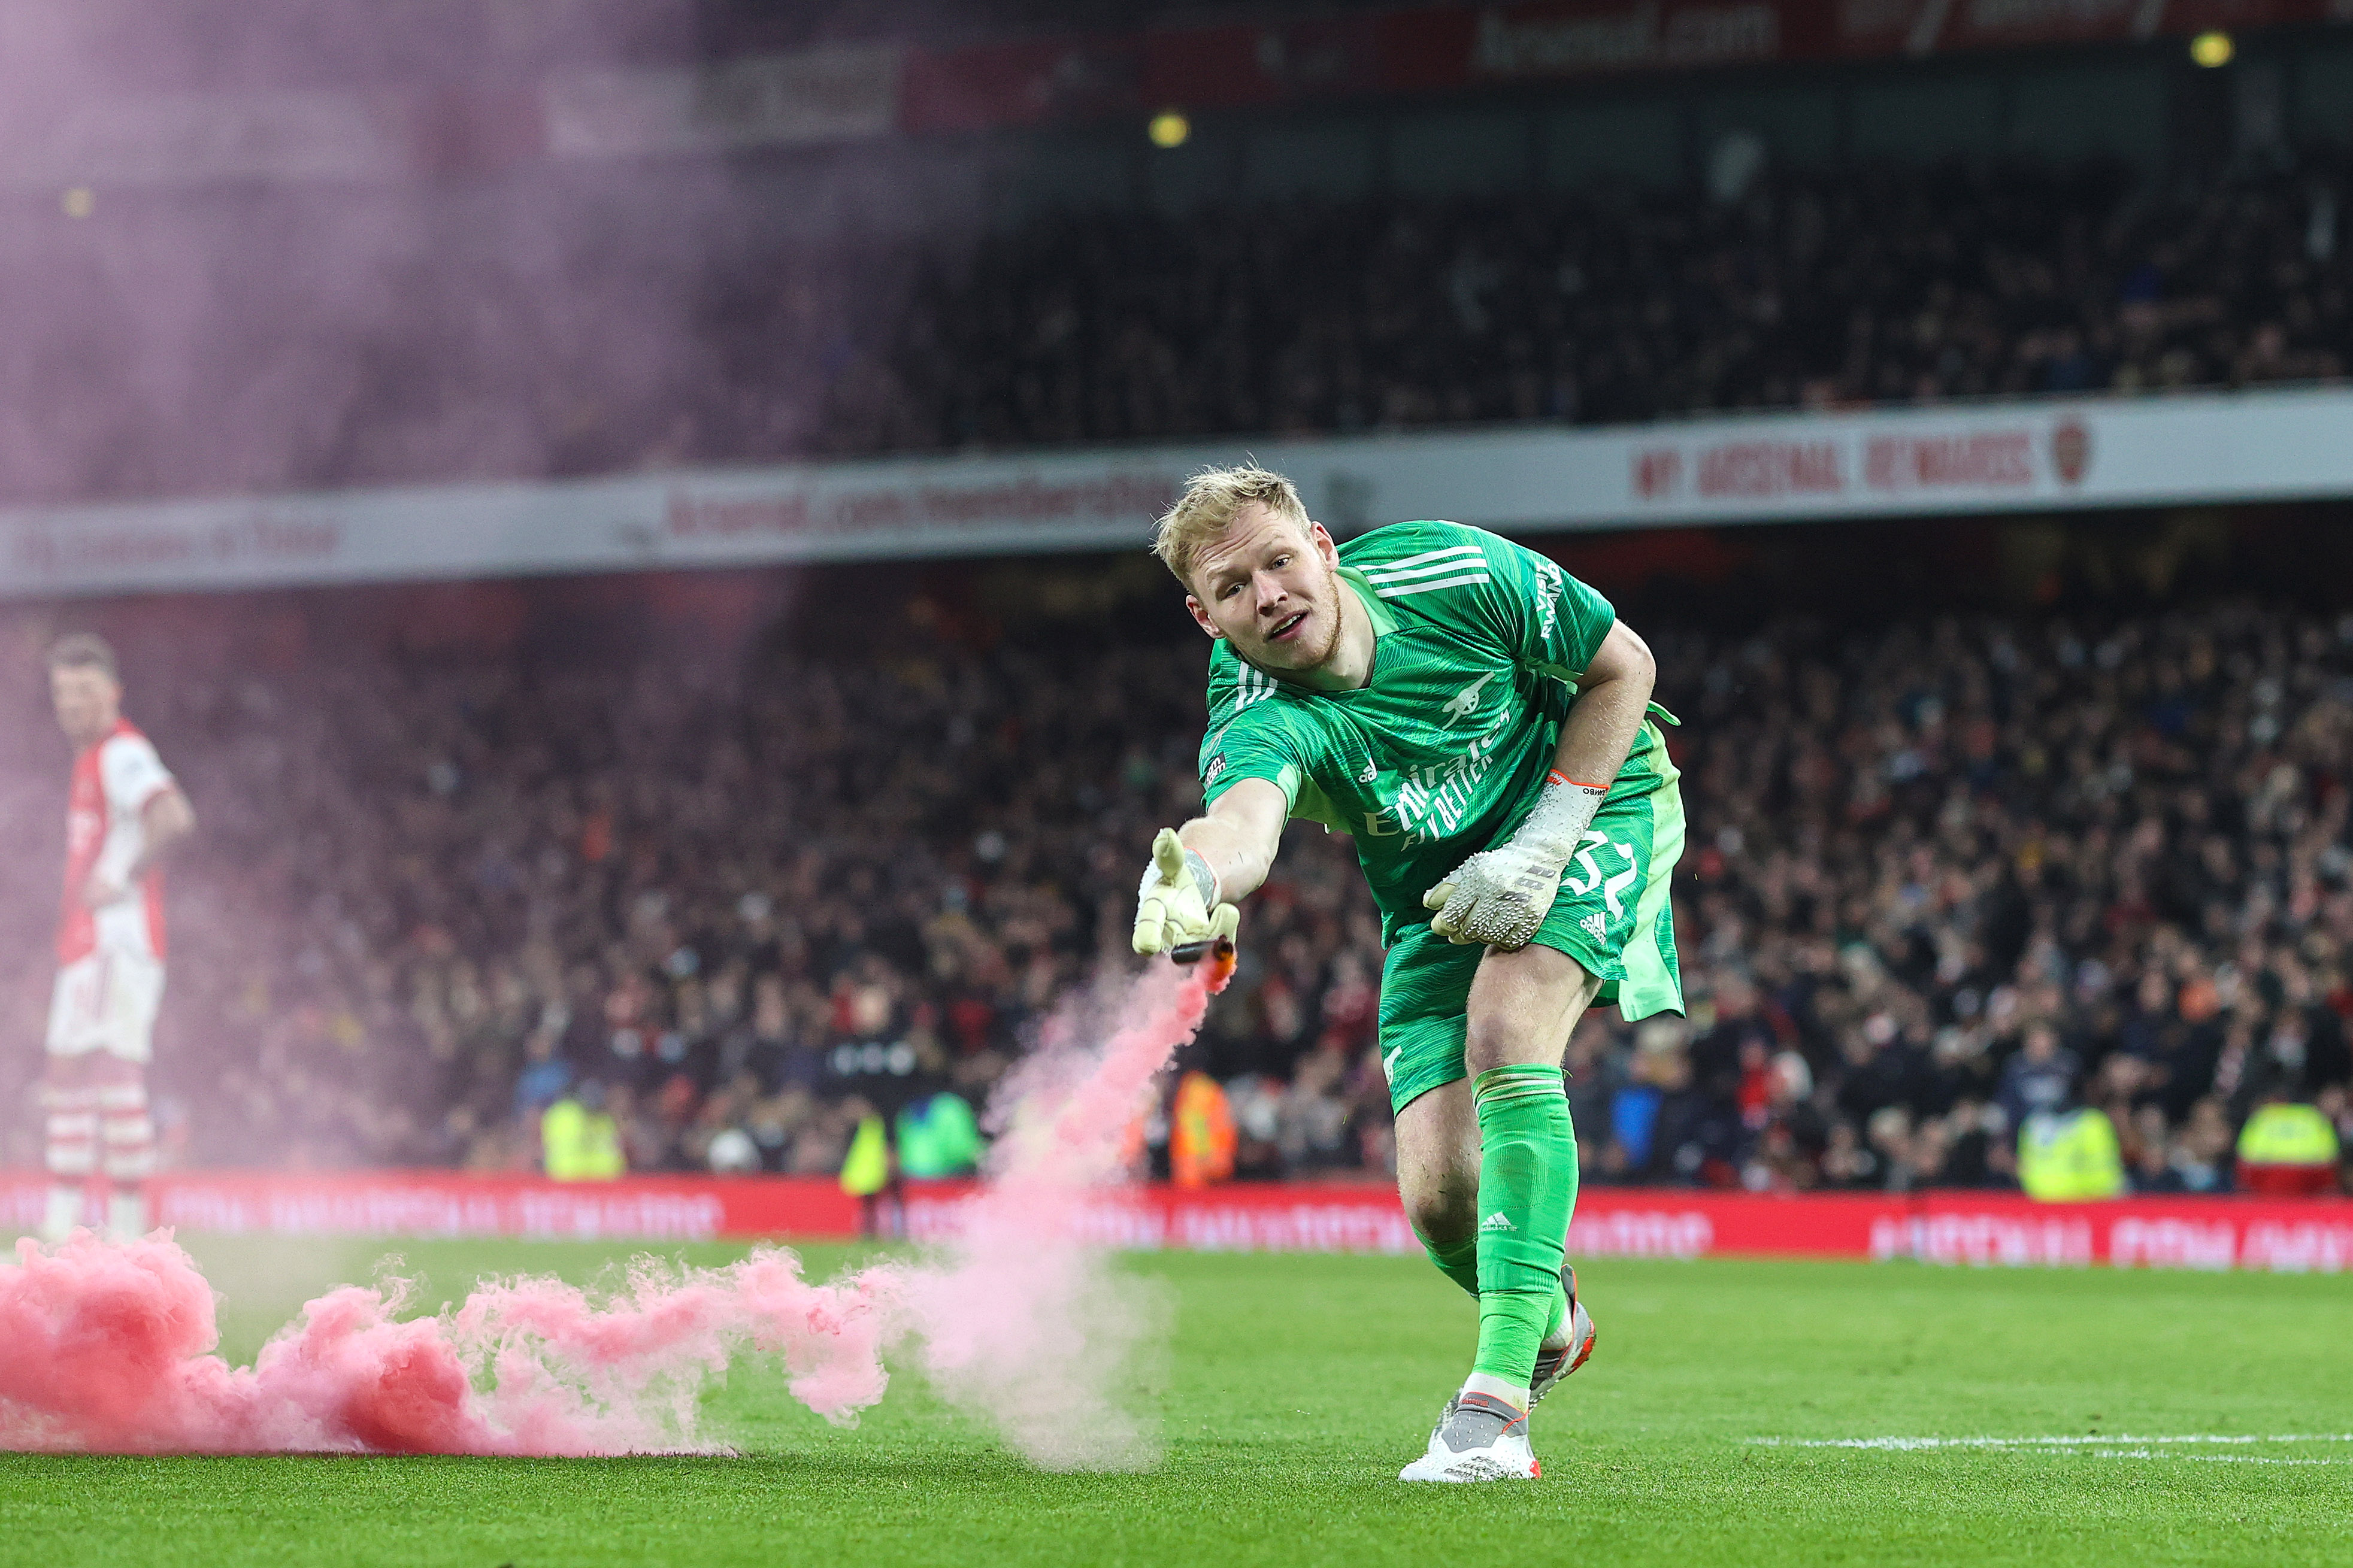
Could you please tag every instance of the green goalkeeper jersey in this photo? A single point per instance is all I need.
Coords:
(1445, 748)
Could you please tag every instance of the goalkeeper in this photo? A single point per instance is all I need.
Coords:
(1478, 721)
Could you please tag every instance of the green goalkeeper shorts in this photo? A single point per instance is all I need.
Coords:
(1614, 916)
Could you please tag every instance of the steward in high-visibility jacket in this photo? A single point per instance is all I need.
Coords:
(866, 1168)
(1200, 1132)
(581, 1142)
(2287, 1150)
(2066, 1157)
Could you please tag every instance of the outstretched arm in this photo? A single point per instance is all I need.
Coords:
(1198, 871)
(1239, 837)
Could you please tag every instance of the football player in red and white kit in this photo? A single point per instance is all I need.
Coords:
(124, 812)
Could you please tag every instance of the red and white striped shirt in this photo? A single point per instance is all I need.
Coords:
(112, 783)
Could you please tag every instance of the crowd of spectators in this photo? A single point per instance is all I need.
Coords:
(1950, 875)
(1873, 284)
(544, 336)
(1940, 876)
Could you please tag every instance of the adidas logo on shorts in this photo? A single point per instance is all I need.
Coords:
(1595, 926)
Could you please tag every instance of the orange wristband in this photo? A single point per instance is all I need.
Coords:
(1556, 776)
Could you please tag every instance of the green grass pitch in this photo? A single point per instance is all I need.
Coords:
(1296, 1386)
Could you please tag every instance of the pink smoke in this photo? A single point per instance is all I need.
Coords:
(1019, 1319)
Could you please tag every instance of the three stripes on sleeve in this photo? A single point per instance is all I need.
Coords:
(1452, 567)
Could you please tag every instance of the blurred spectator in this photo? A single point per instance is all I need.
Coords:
(2040, 1078)
(1962, 872)
(1867, 285)
(1870, 284)
(937, 1137)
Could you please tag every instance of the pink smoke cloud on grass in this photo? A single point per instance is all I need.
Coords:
(111, 1353)
(1016, 1319)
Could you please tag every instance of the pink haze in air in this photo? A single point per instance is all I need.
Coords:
(1019, 1319)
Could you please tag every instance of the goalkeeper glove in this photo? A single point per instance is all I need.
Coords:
(1178, 902)
(1501, 896)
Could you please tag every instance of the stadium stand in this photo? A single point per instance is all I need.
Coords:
(1873, 284)
(1939, 878)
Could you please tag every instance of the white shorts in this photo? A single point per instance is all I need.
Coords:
(107, 1002)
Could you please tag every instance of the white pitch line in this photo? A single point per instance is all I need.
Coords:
(2209, 1458)
(1909, 1444)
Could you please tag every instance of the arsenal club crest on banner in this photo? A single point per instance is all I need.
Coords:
(2071, 450)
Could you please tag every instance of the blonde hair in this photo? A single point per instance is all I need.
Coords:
(1210, 499)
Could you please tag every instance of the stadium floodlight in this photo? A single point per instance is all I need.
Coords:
(1169, 129)
(2212, 48)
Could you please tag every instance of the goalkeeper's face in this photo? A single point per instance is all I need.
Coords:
(1271, 586)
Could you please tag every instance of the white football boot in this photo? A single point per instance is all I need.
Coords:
(1480, 1438)
(1567, 1350)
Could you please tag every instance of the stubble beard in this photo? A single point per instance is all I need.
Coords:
(1322, 656)
(1332, 642)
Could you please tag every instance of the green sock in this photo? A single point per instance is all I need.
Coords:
(1527, 1188)
(1457, 1260)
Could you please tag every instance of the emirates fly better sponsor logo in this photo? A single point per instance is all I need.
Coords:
(1432, 802)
